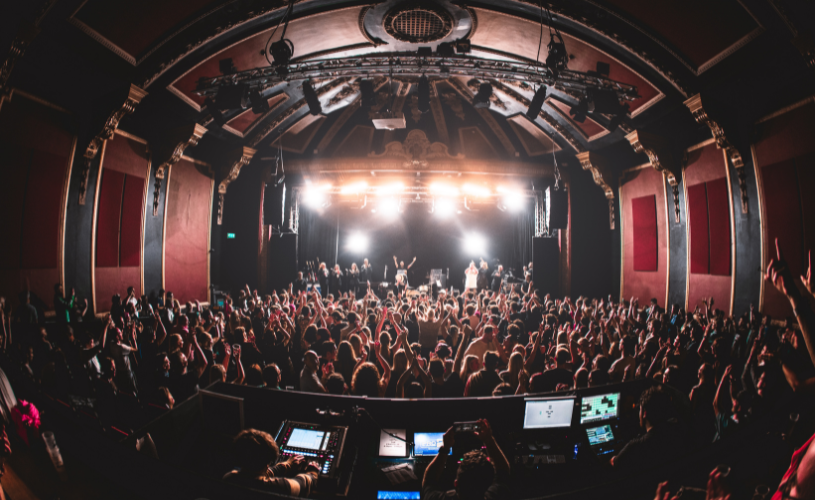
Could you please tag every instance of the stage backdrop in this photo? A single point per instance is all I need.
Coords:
(436, 243)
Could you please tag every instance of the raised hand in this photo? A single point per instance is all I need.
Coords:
(779, 274)
(807, 279)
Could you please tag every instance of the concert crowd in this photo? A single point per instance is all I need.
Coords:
(715, 376)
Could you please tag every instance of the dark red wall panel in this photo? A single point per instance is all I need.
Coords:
(805, 167)
(108, 218)
(40, 237)
(699, 229)
(132, 216)
(719, 213)
(186, 270)
(644, 214)
(15, 162)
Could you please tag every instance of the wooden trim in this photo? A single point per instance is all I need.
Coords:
(131, 137)
(622, 242)
(668, 239)
(634, 169)
(183, 96)
(198, 162)
(93, 224)
(63, 215)
(36, 99)
(209, 242)
(144, 217)
(762, 216)
(792, 107)
(84, 28)
(687, 242)
(164, 229)
(732, 233)
(733, 48)
(701, 145)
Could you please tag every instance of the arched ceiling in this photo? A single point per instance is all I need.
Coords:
(662, 48)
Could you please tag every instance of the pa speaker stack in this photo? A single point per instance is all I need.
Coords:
(558, 208)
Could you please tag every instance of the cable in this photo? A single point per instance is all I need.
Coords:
(540, 39)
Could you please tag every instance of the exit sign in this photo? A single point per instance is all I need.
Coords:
(230, 236)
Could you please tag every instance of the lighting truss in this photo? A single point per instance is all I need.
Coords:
(410, 64)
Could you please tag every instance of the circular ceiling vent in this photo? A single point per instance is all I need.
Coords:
(418, 23)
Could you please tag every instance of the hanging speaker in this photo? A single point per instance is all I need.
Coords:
(274, 201)
(546, 265)
(558, 208)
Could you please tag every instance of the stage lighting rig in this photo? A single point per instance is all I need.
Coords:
(558, 59)
(580, 110)
(314, 106)
(367, 94)
(537, 103)
(231, 97)
(283, 49)
(482, 98)
(443, 207)
(259, 103)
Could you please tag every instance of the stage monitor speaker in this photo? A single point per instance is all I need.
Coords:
(558, 208)
(274, 201)
(282, 263)
(546, 265)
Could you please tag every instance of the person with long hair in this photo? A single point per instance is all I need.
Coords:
(353, 279)
(471, 277)
(322, 279)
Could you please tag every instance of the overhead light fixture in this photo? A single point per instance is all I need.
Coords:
(354, 188)
(314, 106)
(259, 103)
(388, 206)
(282, 51)
(443, 207)
(232, 97)
(390, 189)
(463, 46)
(445, 49)
(482, 98)
(367, 95)
(216, 114)
(580, 110)
(475, 244)
(537, 103)
(226, 67)
(316, 196)
(357, 243)
(558, 58)
(476, 191)
(441, 189)
(424, 94)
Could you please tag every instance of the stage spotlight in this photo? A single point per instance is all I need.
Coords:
(282, 51)
(357, 243)
(537, 103)
(226, 67)
(424, 94)
(558, 58)
(316, 196)
(366, 90)
(217, 116)
(388, 207)
(314, 106)
(476, 191)
(259, 103)
(475, 244)
(482, 98)
(513, 203)
(443, 207)
(232, 96)
(354, 188)
(579, 111)
(390, 189)
(441, 189)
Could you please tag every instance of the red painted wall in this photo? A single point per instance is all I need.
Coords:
(120, 219)
(785, 161)
(186, 258)
(36, 142)
(644, 284)
(709, 236)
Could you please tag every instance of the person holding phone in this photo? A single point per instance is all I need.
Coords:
(479, 475)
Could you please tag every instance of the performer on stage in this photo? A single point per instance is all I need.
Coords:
(299, 284)
(483, 273)
(401, 269)
(322, 278)
(353, 278)
(335, 280)
(471, 277)
(366, 273)
(497, 278)
(401, 283)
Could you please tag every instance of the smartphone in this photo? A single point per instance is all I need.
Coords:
(460, 427)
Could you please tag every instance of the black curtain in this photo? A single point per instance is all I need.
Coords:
(524, 231)
(317, 236)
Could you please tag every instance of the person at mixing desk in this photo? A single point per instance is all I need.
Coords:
(480, 476)
(256, 452)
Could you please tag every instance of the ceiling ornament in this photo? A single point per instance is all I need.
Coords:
(134, 97)
(236, 161)
(701, 116)
(451, 99)
(186, 137)
(416, 150)
(418, 22)
(599, 169)
(660, 158)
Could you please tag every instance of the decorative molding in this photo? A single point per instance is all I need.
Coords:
(188, 137)
(792, 107)
(376, 42)
(338, 124)
(237, 160)
(25, 35)
(598, 167)
(398, 165)
(701, 116)
(659, 158)
(134, 97)
(438, 114)
(416, 150)
(802, 41)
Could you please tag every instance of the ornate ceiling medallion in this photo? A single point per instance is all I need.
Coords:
(418, 22)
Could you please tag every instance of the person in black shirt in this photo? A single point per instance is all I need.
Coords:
(322, 278)
(299, 284)
(335, 280)
(366, 272)
(664, 438)
(497, 278)
(483, 273)
(550, 379)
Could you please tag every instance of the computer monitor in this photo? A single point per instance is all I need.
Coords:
(427, 444)
(398, 495)
(548, 413)
(599, 408)
(307, 439)
(600, 435)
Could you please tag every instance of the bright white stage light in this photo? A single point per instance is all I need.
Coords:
(354, 188)
(476, 191)
(441, 189)
(388, 207)
(391, 189)
(315, 196)
(443, 207)
(475, 244)
(514, 203)
(357, 243)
